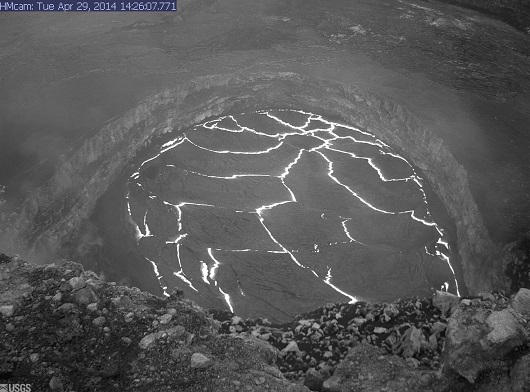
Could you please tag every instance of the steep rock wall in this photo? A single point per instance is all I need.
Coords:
(52, 215)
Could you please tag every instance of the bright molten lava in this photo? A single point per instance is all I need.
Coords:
(277, 212)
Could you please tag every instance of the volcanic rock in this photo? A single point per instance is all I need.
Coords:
(166, 318)
(332, 384)
(363, 369)
(411, 342)
(66, 308)
(445, 301)
(477, 339)
(77, 282)
(99, 321)
(520, 375)
(60, 349)
(7, 310)
(291, 347)
(266, 352)
(56, 384)
(200, 361)
(521, 302)
(314, 379)
(84, 296)
(506, 332)
(148, 340)
(483, 337)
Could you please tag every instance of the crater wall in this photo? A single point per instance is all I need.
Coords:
(51, 217)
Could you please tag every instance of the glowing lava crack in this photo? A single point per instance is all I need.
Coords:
(276, 212)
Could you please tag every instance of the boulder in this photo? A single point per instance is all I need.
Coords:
(391, 310)
(439, 327)
(84, 296)
(66, 308)
(332, 384)
(446, 302)
(462, 351)
(56, 384)
(291, 346)
(7, 310)
(478, 339)
(200, 361)
(99, 321)
(261, 348)
(165, 318)
(506, 333)
(410, 342)
(521, 302)
(77, 283)
(520, 375)
(314, 379)
(172, 333)
(148, 340)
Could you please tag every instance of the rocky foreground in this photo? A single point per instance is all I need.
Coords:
(64, 329)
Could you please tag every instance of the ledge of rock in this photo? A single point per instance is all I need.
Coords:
(62, 328)
(482, 334)
(126, 340)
